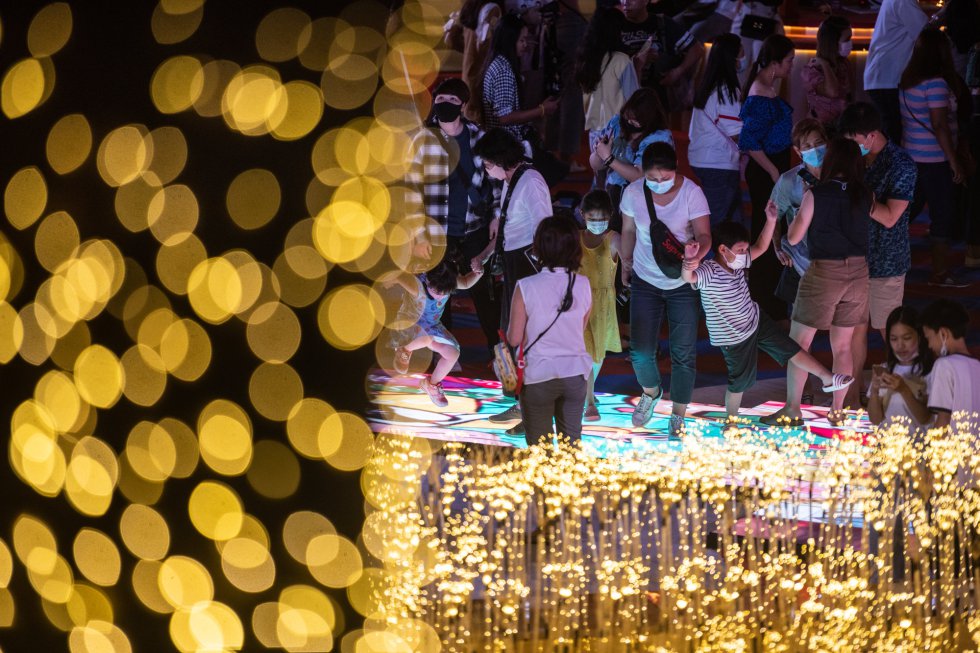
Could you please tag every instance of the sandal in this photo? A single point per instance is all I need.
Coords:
(779, 419)
(838, 382)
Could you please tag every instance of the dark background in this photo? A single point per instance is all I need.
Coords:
(104, 73)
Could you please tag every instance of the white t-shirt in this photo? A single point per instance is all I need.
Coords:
(711, 132)
(529, 205)
(954, 385)
(560, 353)
(893, 403)
(896, 29)
(689, 203)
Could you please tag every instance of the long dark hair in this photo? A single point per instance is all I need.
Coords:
(843, 162)
(932, 57)
(505, 37)
(909, 317)
(774, 48)
(828, 38)
(720, 75)
(602, 39)
(645, 108)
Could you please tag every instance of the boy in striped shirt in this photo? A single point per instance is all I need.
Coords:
(735, 323)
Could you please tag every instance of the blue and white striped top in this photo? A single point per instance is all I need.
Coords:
(729, 311)
(918, 135)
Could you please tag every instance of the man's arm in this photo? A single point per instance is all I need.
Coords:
(888, 213)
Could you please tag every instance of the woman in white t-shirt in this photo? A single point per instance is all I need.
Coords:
(548, 317)
(680, 204)
(715, 126)
(898, 388)
(525, 202)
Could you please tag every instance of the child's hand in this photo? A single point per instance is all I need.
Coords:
(691, 249)
(772, 211)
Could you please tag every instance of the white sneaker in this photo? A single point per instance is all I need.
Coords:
(644, 408)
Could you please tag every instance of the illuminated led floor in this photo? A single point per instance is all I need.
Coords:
(401, 407)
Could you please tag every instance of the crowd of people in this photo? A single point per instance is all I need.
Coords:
(825, 247)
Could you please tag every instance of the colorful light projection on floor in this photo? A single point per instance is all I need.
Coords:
(402, 408)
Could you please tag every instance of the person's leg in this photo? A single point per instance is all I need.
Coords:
(720, 188)
(937, 192)
(840, 345)
(733, 401)
(568, 407)
(590, 393)
(486, 301)
(796, 376)
(571, 123)
(538, 411)
(859, 354)
(448, 355)
(683, 315)
(647, 307)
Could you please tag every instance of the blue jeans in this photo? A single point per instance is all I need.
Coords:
(647, 307)
(723, 190)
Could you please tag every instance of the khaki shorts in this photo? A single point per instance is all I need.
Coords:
(885, 294)
(833, 293)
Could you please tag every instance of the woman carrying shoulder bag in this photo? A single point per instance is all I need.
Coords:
(547, 319)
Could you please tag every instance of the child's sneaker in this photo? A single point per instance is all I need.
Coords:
(435, 392)
(402, 359)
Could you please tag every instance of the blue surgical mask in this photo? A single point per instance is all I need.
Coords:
(865, 151)
(814, 156)
(597, 226)
(741, 64)
(660, 187)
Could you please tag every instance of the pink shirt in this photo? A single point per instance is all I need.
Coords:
(561, 352)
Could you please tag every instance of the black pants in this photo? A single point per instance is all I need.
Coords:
(486, 298)
(766, 270)
(886, 101)
(517, 265)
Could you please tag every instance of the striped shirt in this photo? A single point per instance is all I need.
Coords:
(918, 135)
(731, 314)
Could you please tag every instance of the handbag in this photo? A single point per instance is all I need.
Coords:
(510, 372)
(668, 252)
(757, 27)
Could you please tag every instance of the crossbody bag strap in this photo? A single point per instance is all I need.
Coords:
(499, 248)
(905, 99)
(651, 208)
(475, 195)
(571, 284)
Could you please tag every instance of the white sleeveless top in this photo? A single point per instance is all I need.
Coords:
(561, 352)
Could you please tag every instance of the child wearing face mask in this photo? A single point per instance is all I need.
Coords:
(735, 323)
(953, 385)
(600, 255)
(898, 388)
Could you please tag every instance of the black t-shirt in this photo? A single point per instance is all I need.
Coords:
(670, 41)
(459, 183)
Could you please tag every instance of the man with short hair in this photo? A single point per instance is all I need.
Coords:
(448, 185)
(891, 175)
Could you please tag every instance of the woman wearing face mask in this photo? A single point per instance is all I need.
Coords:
(525, 202)
(834, 217)
(600, 256)
(767, 123)
(898, 388)
(827, 77)
(619, 150)
(680, 204)
(715, 126)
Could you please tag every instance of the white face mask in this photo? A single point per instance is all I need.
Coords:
(740, 262)
(597, 226)
(844, 48)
